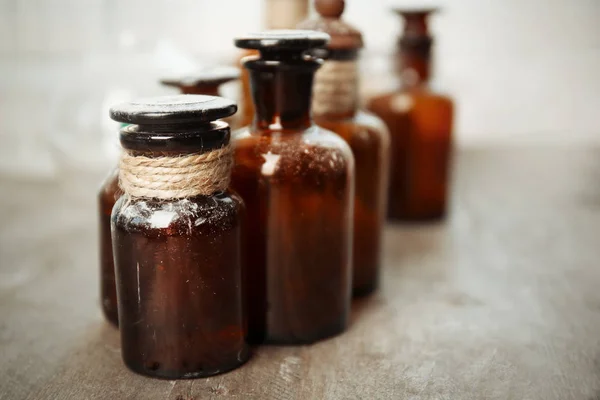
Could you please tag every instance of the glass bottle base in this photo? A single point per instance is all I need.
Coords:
(434, 216)
(111, 315)
(309, 339)
(153, 370)
(364, 290)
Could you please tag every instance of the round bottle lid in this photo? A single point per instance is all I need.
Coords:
(283, 39)
(179, 109)
(209, 77)
(343, 35)
(174, 123)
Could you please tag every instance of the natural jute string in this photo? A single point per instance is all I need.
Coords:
(335, 90)
(175, 177)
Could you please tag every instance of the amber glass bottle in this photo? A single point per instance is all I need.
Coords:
(420, 124)
(279, 14)
(335, 107)
(207, 82)
(297, 181)
(176, 239)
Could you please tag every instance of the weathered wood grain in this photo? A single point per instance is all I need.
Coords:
(501, 301)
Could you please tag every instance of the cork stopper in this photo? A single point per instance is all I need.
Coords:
(343, 35)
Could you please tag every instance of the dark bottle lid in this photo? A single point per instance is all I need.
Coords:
(343, 35)
(174, 123)
(212, 77)
(283, 40)
(180, 109)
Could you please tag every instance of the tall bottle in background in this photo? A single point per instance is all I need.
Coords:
(335, 107)
(420, 124)
(206, 82)
(279, 14)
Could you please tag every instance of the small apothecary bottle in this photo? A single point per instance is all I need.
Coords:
(297, 181)
(176, 239)
(335, 107)
(420, 123)
(206, 82)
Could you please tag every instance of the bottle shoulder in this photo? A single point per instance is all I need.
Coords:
(410, 100)
(110, 190)
(195, 216)
(275, 154)
(363, 126)
(312, 141)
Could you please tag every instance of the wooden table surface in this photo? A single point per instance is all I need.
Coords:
(501, 301)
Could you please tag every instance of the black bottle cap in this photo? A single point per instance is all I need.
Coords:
(283, 39)
(174, 123)
(208, 77)
(180, 109)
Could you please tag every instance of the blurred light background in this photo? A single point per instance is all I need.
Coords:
(521, 71)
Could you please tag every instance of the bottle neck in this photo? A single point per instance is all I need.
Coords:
(285, 14)
(335, 92)
(208, 90)
(282, 91)
(414, 64)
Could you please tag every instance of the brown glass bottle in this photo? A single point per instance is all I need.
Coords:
(279, 14)
(109, 194)
(176, 239)
(207, 83)
(420, 124)
(297, 181)
(335, 107)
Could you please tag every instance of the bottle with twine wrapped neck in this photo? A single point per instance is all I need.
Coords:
(206, 82)
(297, 181)
(335, 107)
(420, 123)
(176, 239)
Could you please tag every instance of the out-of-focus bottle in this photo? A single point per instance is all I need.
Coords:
(206, 82)
(335, 107)
(420, 124)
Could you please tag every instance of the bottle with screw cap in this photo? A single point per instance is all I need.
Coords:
(335, 107)
(297, 181)
(206, 82)
(420, 123)
(176, 239)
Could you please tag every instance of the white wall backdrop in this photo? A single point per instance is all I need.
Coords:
(520, 70)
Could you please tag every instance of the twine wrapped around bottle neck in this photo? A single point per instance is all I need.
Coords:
(175, 177)
(335, 90)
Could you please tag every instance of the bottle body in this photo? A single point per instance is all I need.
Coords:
(420, 125)
(179, 285)
(298, 189)
(369, 140)
(109, 194)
